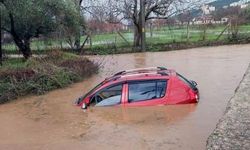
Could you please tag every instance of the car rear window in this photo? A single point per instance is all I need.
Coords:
(146, 90)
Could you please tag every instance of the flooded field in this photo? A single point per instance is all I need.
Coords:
(51, 121)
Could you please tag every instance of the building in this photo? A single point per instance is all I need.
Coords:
(206, 9)
(102, 27)
(241, 3)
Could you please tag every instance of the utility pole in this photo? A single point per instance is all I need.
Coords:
(143, 35)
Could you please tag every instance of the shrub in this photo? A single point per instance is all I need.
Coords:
(40, 75)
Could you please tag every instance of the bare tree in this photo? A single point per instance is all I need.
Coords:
(235, 15)
(154, 9)
(130, 11)
(186, 18)
(235, 19)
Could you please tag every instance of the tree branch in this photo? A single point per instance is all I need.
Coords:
(5, 29)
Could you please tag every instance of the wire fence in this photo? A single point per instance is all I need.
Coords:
(115, 40)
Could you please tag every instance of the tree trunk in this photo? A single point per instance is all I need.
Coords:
(1, 52)
(1, 55)
(77, 43)
(137, 36)
(151, 29)
(90, 41)
(204, 32)
(83, 44)
(235, 31)
(24, 47)
(188, 34)
(22, 44)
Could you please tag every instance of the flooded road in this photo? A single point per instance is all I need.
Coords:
(51, 121)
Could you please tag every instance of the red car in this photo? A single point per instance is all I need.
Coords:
(142, 87)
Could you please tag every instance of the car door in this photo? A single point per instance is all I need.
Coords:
(146, 93)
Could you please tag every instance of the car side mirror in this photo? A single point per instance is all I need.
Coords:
(194, 83)
(78, 100)
(84, 106)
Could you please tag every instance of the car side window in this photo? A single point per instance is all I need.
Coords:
(109, 96)
(146, 90)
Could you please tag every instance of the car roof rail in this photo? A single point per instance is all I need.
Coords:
(111, 79)
(140, 70)
(146, 70)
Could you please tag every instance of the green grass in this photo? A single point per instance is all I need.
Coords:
(113, 40)
(13, 63)
(19, 63)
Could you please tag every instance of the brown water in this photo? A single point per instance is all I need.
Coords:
(51, 121)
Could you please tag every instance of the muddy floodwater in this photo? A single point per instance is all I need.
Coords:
(51, 121)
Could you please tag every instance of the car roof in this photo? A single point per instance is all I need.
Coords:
(141, 73)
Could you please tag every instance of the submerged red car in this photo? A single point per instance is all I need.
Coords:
(142, 87)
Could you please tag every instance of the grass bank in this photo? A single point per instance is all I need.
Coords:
(166, 46)
(40, 75)
(108, 43)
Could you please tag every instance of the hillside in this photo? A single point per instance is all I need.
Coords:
(217, 4)
(221, 3)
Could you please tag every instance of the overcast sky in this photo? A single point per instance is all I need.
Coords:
(88, 3)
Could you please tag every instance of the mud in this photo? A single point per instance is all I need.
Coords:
(52, 121)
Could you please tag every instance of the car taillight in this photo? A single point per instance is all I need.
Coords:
(197, 97)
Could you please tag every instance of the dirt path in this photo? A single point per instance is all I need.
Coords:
(51, 121)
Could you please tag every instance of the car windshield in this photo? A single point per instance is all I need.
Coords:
(91, 91)
(108, 97)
